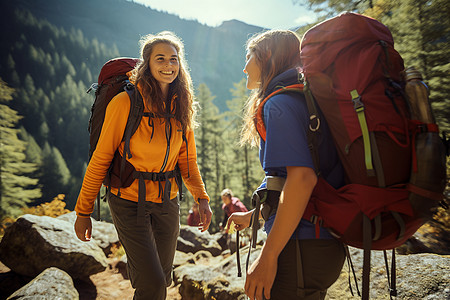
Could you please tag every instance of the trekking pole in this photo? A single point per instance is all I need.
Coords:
(98, 206)
(238, 258)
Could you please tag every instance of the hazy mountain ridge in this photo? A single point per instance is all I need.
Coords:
(215, 54)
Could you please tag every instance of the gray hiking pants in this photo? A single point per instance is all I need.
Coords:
(150, 246)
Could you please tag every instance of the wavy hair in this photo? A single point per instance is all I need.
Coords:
(185, 107)
(275, 51)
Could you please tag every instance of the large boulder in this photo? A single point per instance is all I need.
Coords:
(192, 240)
(104, 234)
(52, 283)
(213, 277)
(419, 276)
(35, 243)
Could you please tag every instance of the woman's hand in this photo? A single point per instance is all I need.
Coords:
(260, 276)
(205, 214)
(83, 228)
(241, 220)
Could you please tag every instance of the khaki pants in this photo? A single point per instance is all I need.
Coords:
(321, 262)
(149, 246)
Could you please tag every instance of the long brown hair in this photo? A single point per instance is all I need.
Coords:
(275, 51)
(185, 107)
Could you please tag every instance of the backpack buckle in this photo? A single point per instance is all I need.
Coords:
(311, 118)
(128, 85)
(93, 87)
(357, 103)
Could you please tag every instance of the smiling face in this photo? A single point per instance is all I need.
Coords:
(164, 64)
(253, 72)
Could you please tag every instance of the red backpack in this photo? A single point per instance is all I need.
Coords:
(394, 165)
(112, 80)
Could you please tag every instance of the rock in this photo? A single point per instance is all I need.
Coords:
(213, 277)
(103, 233)
(52, 283)
(192, 240)
(35, 243)
(419, 276)
(432, 237)
(182, 258)
(121, 266)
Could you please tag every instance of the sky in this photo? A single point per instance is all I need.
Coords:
(271, 14)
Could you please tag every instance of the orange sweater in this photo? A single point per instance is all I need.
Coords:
(147, 156)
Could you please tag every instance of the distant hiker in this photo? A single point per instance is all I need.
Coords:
(230, 205)
(146, 212)
(193, 218)
(293, 263)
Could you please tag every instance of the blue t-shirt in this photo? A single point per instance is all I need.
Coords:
(286, 120)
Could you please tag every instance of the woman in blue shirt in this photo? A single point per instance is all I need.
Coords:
(294, 263)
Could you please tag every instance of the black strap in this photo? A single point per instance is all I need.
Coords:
(255, 226)
(350, 265)
(367, 245)
(141, 200)
(392, 278)
(98, 206)
(393, 288)
(187, 153)
(153, 176)
(314, 127)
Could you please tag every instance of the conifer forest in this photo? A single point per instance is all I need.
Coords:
(52, 51)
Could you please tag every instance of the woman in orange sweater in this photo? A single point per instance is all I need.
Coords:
(149, 231)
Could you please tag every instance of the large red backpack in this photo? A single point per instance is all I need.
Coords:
(354, 75)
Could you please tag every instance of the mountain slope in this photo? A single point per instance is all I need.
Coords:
(215, 54)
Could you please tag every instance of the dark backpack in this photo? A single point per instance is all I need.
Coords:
(112, 80)
(394, 165)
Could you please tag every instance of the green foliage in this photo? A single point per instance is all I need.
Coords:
(17, 188)
(55, 176)
(50, 69)
(247, 173)
(222, 162)
(421, 31)
(331, 7)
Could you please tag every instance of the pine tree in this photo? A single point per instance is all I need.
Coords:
(17, 189)
(421, 31)
(208, 117)
(55, 176)
(209, 142)
(245, 172)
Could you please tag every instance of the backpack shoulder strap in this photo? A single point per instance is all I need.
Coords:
(134, 119)
(134, 116)
(314, 127)
(259, 118)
